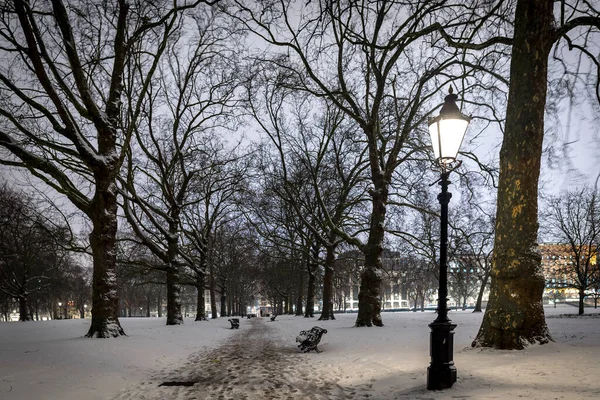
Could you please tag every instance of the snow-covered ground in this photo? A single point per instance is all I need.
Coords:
(51, 359)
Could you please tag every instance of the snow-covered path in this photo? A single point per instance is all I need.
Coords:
(252, 364)
(51, 360)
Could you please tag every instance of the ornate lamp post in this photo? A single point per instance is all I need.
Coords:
(447, 132)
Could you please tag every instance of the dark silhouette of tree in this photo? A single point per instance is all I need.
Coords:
(573, 219)
(370, 62)
(33, 250)
(188, 102)
(71, 99)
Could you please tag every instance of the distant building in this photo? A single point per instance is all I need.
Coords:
(558, 261)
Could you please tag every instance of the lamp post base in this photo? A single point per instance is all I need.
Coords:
(441, 373)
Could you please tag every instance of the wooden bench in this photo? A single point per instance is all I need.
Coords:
(235, 323)
(273, 317)
(310, 339)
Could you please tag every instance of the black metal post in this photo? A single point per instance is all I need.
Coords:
(441, 373)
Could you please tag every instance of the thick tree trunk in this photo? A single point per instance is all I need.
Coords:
(105, 302)
(300, 299)
(327, 312)
(369, 302)
(23, 310)
(515, 315)
(174, 316)
(200, 304)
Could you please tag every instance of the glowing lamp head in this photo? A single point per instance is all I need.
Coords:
(447, 130)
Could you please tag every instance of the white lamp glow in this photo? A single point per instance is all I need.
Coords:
(448, 130)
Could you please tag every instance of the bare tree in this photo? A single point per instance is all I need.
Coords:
(189, 101)
(471, 249)
(368, 60)
(573, 218)
(71, 99)
(320, 163)
(33, 249)
(213, 206)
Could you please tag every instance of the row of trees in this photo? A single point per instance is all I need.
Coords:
(31, 239)
(38, 269)
(124, 106)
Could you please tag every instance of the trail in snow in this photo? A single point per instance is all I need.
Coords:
(252, 364)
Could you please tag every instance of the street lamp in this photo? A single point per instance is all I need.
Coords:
(447, 131)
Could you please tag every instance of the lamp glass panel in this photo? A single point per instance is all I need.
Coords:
(451, 135)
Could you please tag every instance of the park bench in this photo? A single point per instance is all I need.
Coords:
(310, 339)
(273, 317)
(235, 323)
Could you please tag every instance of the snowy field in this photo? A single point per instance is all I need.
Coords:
(51, 359)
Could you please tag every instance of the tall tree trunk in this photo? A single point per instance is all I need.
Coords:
(148, 298)
(159, 302)
(486, 276)
(174, 316)
(369, 302)
(223, 302)
(53, 308)
(310, 291)
(581, 302)
(200, 304)
(515, 315)
(23, 310)
(300, 298)
(327, 312)
(213, 295)
(105, 302)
